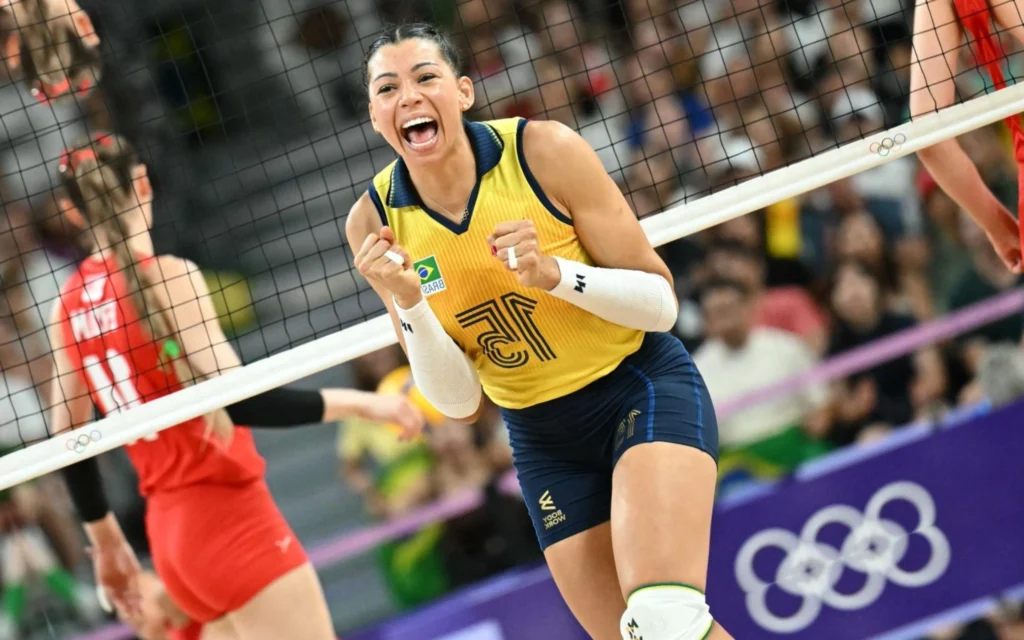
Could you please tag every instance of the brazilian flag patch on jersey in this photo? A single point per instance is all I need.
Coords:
(431, 280)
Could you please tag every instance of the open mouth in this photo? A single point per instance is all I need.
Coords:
(420, 132)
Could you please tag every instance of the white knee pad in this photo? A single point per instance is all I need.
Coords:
(666, 612)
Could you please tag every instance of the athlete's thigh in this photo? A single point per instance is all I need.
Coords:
(583, 567)
(662, 498)
(293, 606)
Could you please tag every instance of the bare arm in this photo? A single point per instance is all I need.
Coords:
(572, 176)
(70, 403)
(629, 285)
(211, 354)
(362, 221)
(442, 371)
(938, 38)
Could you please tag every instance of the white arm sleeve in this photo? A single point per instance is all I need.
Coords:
(442, 372)
(634, 299)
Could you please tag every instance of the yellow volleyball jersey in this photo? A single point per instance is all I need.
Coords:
(528, 346)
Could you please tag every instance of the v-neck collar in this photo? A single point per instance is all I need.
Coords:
(487, 148)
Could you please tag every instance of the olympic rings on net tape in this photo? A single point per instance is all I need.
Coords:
(79, 443)
(811, 569)
(888, 144)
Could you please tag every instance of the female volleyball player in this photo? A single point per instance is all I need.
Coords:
(507, 257)
(939, 27)
(129, 328)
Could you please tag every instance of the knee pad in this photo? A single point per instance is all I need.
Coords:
(666, 612)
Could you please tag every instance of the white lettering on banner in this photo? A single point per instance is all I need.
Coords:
(811, 569)
(486, 630)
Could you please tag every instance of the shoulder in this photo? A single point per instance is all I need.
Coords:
(547, 144)
(172, 268)
(364, 218)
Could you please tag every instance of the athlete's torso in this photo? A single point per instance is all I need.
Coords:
(120, 363)
(528, 346)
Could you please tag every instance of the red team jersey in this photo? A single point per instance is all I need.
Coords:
(120, 362)
(216, 537)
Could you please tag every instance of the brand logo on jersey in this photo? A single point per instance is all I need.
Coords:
(625, 429)
(580, 283)
(547, 503)
(634, 630)
(431, 281)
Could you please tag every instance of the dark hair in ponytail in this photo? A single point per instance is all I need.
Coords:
(394, 34)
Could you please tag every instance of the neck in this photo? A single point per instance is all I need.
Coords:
(449, 181)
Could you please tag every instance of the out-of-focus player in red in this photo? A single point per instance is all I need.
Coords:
(130, 328)
(940, 28)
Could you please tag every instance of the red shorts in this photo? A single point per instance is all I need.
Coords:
(216, 546)
(192, 632)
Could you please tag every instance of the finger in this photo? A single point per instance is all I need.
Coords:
(510, 226)
(368, 243)
(386, 233)
(400, 250)
(12, 51)
(85, 30)
(397, 258)
(377, 251)
(511, 239)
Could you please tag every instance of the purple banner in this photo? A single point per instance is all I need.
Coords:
(877, 542)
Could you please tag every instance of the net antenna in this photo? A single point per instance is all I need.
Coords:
(345, 345)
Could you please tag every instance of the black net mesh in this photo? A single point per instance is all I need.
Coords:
(251, 118)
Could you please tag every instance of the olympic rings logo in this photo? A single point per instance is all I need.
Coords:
(79, 443)
(888, 144)
(811, 569)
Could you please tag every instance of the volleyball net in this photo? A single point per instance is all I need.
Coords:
(252, 120)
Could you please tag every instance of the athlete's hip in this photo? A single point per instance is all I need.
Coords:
(659, 376)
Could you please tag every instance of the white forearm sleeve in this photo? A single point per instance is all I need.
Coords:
(442, 372)
(634, 299)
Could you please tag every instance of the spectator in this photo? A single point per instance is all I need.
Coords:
(892, 393)
(787, 308)
(739, 357)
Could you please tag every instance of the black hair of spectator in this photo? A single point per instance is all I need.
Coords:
(719, 284)
(736, 249)
(394, 34)
(864, 269)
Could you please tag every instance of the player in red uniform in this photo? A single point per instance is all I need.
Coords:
(129, 328)
(939, 34)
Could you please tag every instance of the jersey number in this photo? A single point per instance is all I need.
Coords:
(118, 395)
(506, 321)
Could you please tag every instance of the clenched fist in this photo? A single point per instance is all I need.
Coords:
(374, 261)
(515, 244)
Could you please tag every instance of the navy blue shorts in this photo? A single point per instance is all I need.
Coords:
(565, 449)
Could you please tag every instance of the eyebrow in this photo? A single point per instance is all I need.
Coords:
(415, 67)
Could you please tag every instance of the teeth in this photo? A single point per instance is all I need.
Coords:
(413, 123)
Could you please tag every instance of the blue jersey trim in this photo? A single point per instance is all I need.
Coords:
(375, 198)
(534, 185)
